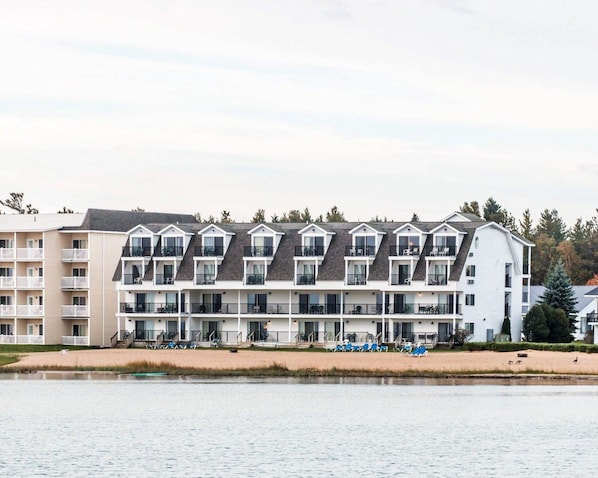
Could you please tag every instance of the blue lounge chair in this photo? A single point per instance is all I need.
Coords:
(383, 348)
(365, 348)
(348, 347)
(339, 348)
(419, 351)
(374, 347)
(356, 348)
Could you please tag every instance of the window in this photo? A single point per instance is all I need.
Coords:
(79, 272)
(79, 244)
(79, 330)
(5, 299)
(507, 275)
(470, 271)
(79, 300)
(5, 329)
(469, 299)
(469, 327)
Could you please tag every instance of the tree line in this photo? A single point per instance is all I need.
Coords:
(575, 246)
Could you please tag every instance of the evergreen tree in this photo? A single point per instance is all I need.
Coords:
(15, 202)
(259, 216)
(335, 215)
(526, 225)
(225, 217)
(558, 325)
(535, 328)
(414, 218)
(559, 293)
(471, 208)
(551, 224)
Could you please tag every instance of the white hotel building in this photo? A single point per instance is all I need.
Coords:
(312, 284)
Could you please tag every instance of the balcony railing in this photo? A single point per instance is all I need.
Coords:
(30, 282)
(30, 339)
(75, 311)
(356, 279)
(161, 279)
(30, 253)
(258, 251)
(198, 308)
(396, 250)
(425, 309)
(254, 279)
(7, 253)
(400, 279)
(149, 308)
(30, 310)
(205, 279)
(7, 339)
(132, 279)
(75, 340)
(306, 279)
(360, 251)
(309, 251)
(437, 279)
(146, 334)
(136, 251)
(74, 255)
(75, 282)
(208, 251)
(7, 310)
(169, 251)
(440, 251)
(7, 282)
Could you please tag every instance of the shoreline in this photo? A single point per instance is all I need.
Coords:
(537, 365)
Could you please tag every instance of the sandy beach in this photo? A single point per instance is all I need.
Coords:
(391, 362)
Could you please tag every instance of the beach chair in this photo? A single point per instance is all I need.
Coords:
(419, 352)
(407, 348)
(365, 348)
(374, 347)
(348, 347)
(383, 348)
(339, 348)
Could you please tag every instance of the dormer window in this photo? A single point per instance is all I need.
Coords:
(445, 245)
(313, 246)
(409, 245)
(263, 246)
(172, 246)
(213, 246)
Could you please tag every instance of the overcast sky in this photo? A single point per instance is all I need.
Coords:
(379, 107)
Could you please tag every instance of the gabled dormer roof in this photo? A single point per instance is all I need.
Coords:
(215, 230)
(173, 229)
(265, 228)
(446, 227)
(364, 227)
(139, 230)
(408, 228)
(459, 216)
(315, 228)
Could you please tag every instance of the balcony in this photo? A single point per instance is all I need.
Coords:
(75, 255)
(7, 310)
(306, 279)
(30, 254)
(437, 279)
(356, 279)
(8, 253)
(30, 339)
(75, 282)
(400, 279)
(169, 251)
(440, 251)
(30, 310)
(410, 251)
(75, 311)
(258, 251)
(309, 251)
(198, 308)
(254, 279)
(360, 251)
(208, 251)
(132, 279)
(205, 279)
(162, 279)
(30, 282)
(75, 340)
(149, 308)
(7, 282)
(136, 251)
(425, 309)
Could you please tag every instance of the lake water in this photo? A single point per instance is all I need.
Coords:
(110, 426)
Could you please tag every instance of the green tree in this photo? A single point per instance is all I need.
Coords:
(535, 328)
(306, 216)
(138, 209)
(526, 226)
(15, 202)
(506, 327)
(335, 215)
(543, 256)
(558, 325)
(66, 210)
(259, 216)
(225, 217)
(414, 218)
(496, 213)
(559, 293)
(471, 208)
(552, 225)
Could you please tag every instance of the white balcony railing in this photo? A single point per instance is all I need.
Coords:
(75, 311)
(7, 339)
(7, 282)
(30, 282)
(7, 253)
(30, 253)
(30, 339)
(73, 255)
(7, 310)
(75, 282)
(30, 310)
(75, 340)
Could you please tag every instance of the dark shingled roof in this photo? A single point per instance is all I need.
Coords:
(282, 266)
(379, 269)
(123, 221)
